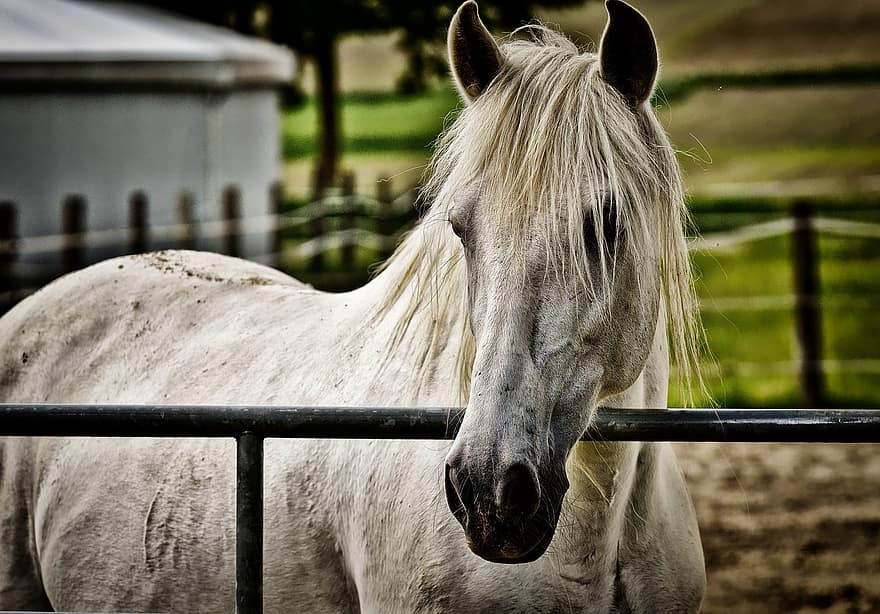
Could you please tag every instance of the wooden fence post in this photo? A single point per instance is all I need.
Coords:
(348, 221)
(8, 251)
(73, 227)
(138, 223)
(316, 225)
(276, 209)
(232, 216)
(186, 238)
(384, 217)
(807, 319)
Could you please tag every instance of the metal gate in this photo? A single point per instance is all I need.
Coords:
(250, 425)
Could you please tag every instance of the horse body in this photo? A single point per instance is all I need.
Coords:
(361, 526)
(350, 525)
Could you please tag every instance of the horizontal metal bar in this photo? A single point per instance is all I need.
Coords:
(747, 425)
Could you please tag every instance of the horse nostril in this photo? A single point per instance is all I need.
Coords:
(519, 492)
(453, 494)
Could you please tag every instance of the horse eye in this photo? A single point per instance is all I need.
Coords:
(610, 229)
(457, 228)
(610, 222)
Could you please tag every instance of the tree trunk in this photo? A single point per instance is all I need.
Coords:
(328, 112)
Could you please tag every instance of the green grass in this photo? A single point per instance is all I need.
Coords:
(693, 36)
(676, 89)
(777, 141)
(755, 350)
(775, 118)
(374, 122)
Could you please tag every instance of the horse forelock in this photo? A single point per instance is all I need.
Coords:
(549, 145)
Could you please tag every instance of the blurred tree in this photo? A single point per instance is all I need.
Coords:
(423, 28)
(314, 27)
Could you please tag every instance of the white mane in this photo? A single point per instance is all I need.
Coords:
(550, 144)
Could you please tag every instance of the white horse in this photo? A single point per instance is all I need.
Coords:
(537, 287)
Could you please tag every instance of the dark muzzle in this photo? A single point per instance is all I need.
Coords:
(509, 521)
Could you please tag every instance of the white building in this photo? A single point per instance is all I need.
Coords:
(101, 99)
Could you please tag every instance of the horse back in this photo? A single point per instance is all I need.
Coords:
(121, 331)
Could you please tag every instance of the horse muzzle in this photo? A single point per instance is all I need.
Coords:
(513, 522)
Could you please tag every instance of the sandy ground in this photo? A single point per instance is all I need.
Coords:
(788, 527)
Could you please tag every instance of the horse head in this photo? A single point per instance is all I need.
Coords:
(561, 186)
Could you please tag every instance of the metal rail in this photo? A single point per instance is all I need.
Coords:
(249, 523)
(747, 425)
(250, 425)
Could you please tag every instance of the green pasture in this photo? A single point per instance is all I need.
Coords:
(748, 314)
(376, 123)
(774, 141)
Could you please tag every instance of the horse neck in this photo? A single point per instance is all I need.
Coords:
(602, 474)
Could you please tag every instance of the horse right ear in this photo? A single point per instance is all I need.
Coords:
(474, 55)
(628, 53)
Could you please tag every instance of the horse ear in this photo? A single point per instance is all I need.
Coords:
(628, 53)
(474, 55)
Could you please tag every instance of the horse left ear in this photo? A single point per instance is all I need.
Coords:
(628, 53)
(474, 55)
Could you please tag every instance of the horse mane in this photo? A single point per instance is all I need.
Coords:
(550, 144)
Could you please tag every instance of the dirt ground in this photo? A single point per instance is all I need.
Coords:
(788, 527)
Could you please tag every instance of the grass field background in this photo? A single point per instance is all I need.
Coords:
(765, 100)
(748, 312)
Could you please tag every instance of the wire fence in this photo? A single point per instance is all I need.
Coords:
(780, 227)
